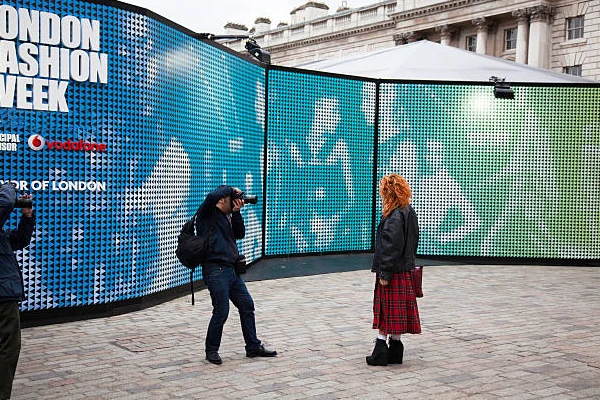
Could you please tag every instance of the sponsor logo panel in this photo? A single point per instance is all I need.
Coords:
(38, 142)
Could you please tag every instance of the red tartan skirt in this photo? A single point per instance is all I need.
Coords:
(395, 308)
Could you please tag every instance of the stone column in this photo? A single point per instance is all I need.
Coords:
(539, 36)
(522, 35)
(482, 33)
(445, 34)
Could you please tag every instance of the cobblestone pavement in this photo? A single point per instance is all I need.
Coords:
(514, 332)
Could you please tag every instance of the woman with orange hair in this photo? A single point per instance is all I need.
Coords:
(394, 302)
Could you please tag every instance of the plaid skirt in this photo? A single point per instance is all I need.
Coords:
(395, 308)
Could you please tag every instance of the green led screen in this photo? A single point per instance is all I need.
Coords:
(496, 177)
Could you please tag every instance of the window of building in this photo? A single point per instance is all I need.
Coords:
(572, 70)
(343, 20)
(575, 27)
(510, 39)
(320, 25)
(471, 43)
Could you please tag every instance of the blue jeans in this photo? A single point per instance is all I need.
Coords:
(225, 284)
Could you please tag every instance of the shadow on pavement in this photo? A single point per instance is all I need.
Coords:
(277, 268)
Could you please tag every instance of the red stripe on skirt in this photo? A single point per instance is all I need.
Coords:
(395, 308)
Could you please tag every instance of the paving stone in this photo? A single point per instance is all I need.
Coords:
(489, 332)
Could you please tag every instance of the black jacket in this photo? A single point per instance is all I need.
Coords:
(222, 248)
(396, 243)
(11, 280)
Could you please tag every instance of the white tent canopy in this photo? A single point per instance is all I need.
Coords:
(429, 61)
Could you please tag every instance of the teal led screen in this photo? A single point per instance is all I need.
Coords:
(319, 164)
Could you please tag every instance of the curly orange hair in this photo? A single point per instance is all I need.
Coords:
(395, 192)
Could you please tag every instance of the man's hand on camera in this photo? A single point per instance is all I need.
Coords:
(26, 212)
(237, 204)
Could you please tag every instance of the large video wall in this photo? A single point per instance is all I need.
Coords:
(119, 125)
(490, 177)
(496, 177)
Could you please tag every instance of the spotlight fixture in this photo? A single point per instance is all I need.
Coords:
(253, 48)
(261, 54)
(502, 90)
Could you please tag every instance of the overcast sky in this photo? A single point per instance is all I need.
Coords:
(211, 16)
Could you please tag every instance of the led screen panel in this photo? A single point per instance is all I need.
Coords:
(319, 164)
(119, 126)
(496, 177)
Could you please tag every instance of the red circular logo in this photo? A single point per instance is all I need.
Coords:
(36, 142)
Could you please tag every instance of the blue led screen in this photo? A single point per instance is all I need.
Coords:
(119, 134)
(319, 163)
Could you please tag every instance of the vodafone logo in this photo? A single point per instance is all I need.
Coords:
(36, 142)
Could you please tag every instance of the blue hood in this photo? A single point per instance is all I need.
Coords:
(8, 196)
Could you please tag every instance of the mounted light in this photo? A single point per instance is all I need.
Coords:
(253, 48)
(261, 54)
(502, 90)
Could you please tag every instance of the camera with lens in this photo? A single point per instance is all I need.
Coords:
(250, 199)
(240, 265)
(22, 202)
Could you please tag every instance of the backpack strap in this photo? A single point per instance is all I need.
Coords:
(192, 283)
(210, 229)
(193, 269)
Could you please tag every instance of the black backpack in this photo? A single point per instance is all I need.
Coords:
(192, 248)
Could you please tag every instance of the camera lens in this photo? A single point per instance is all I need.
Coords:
(23, 203)
(250, 199)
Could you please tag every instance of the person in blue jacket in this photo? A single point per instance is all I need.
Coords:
(220, 214)
(11, 285)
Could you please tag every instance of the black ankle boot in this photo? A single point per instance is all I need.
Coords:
(395, 352)
(380, 354)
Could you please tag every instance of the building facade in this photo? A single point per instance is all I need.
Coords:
(560, 35)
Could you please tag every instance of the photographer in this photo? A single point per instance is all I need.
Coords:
(220, 214)
(11, 283)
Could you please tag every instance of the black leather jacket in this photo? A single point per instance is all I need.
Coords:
(11, 281)
(396, 243)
